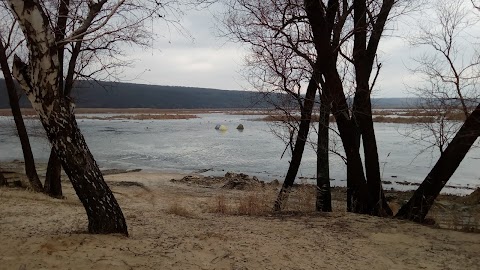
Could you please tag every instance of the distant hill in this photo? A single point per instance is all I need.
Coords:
(129, 95)
(394, 103)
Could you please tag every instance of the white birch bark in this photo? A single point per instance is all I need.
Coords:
(39, 80)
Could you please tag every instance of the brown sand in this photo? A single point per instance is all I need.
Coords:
(38, 232)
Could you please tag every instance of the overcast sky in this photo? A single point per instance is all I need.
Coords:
(204, 60)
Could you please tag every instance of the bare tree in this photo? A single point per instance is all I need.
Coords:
(364, 194)
(8, 44)
(324, 198)
(42, 81)
(67, 40)
(315, 35)
(96, 51)
(449, 70)
(280, 62)
(422, 200)
(451, 83)
(330, 37)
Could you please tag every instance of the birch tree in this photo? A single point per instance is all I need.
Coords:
(40, 79)
(68, 40)
(90, 45)
(8, 44)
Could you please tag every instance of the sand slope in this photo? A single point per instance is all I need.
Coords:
(38, 232)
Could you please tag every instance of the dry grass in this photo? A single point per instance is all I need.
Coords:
(453, 115)
(144, 117)
(176, 208)
(458, 116)
(302, 199)
(219, 205)
(25, 112)
(456, 217)
(250, 112)
(380, 116)
(407, 116)
(403, 120)
(284, 118)
(421, 114)
(140, 111)
(31, 112)
(409, 119)
(254, 203)
(258, 201)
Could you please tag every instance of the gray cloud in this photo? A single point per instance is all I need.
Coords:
(196, 56)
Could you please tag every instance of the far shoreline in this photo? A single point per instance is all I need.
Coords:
(380, 115)
(17, 167)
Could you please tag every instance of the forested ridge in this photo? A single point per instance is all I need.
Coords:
(131, 95)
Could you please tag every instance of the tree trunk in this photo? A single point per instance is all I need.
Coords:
(302, 136)
(30, 169)
(53, 179)
(377, 204)
(104, 213)
(324, 197)
(356, 183)
(422, 200)
(364, 53)
(3, 181)
(322, 26)
(40, 81)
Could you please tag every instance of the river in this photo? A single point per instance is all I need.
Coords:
(194, 144)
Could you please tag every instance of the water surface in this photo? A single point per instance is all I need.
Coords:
(194, 144)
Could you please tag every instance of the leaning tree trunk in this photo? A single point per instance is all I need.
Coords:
(324, 197)
(322, 27)
(3, 180)
(40, 81)
(377, 204)
(302, 136)
(474, 197)
(30, 169)
(364, 52)
(422, 200)
(104, 213)
(357, 191)
(53, 178)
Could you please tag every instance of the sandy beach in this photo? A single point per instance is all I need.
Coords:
(177, 225)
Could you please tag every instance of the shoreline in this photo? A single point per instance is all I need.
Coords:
(224, 223)
(405, 185)
(397, 116)
(444, 207)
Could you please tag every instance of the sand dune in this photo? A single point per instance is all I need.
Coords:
(38, 232)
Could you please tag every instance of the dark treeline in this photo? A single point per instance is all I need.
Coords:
(130, 95)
